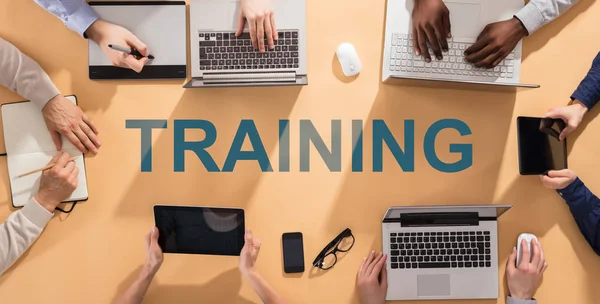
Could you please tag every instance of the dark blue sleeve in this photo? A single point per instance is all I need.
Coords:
(585, 207)
(588, 91)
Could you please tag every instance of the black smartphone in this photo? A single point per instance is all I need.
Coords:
(293, 252)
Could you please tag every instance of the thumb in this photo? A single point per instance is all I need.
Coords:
(154, 236)
(133, 63)
(512, 260)
(384, 281)
(137, 44)
(568, 129)
(241, 22)
(56, 139)
(558, 173)
(553, 113)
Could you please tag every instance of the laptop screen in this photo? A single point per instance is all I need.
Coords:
(494, 211)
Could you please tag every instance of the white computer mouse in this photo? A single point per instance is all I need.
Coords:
(527, 237)
(349, 60)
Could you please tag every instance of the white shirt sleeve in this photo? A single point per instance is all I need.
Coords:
(21, 74)
(20, 230)
(77, 15)
(538, 13)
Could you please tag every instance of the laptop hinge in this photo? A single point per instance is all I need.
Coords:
(249, 77)
(439, 219)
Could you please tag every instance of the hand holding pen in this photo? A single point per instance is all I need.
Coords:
(129, 51)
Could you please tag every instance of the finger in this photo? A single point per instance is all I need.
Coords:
(446, 24)
(273, 27)
(83, 137)
(56, 139)
(379, 265)
(477, 57)
(362, 266)
(75, 174)
(537, 256)
(384, 281)
(433, 42)
(62, 161)
(512, 260)
(137, 44)
(269, 32)
(545, 266)
(55, 158)
(154, 236)
(373, 263)
(252, 28)
(526, 257)
(568, 129)
(91, 135)
(423, 45)
(147, 239)
(496, 61)
(559, 173)
(241, 22)
(260, 34)
(70, 166)
(370, 259)
(248, 237)
(416, 42)
(488, 62)
(440, 34)
(133, 63)
(477, 46)
(90, 123)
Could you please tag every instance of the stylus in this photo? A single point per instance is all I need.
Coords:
(130, 51)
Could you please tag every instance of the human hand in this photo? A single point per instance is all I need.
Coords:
(431, 22)
(105, 33)
(63, 117)
(558, 179)
(249, 253)
(58, 183)
(154, 254)
(495, 42)
(372, 288)
(572, 115)
(524, 279)
(261, 22)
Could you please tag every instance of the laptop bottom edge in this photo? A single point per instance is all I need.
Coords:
(206, 83)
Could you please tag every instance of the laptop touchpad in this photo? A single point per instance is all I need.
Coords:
(465, 19)
(433, 285)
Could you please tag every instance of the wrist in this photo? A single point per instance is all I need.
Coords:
(149, 271)
(580, 106)
(48, 104)
(521, 297)
(46, 201)
(94, 31)
(250, 274)
(519, 27)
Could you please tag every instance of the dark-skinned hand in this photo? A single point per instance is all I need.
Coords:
(431, 22)
(495, 42)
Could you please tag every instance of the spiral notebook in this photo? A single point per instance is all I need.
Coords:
(29, 146)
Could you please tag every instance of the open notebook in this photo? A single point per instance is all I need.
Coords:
(29, 147)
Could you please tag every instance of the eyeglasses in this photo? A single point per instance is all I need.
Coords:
(342, 243)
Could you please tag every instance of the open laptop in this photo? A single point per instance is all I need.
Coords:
(467, 18)
(219, 58)
(442, 252)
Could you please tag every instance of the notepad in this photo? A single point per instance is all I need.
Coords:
(29, 146)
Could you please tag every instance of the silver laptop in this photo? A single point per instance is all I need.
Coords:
(442, 252)
(468, 18)
(219, 58)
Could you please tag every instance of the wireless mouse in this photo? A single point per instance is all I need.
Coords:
(349, 60)
(527, 237)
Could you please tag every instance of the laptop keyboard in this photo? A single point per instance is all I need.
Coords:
(463, 249)
(225, 51)
(402, 59)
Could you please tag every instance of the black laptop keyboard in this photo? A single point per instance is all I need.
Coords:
(464, 249)
(225, 51)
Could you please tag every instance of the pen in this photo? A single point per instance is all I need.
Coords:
(48, 167)
(128, 51)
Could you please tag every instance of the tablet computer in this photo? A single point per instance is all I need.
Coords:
(540, 149)
(200, 230)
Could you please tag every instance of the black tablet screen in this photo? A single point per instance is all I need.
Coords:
(199, 230)
(540, 149)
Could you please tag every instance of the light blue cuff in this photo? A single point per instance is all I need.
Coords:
(510, 300)
(531, 17)
(81, 19)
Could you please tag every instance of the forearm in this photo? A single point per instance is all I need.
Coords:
(77, 15)
(21, 74)
(538, 13)
(585, 208)
(264, 290)
(588, 91)
(20, 231)
(136, 292)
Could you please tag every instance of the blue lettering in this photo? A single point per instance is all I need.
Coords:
(381, 134)
(199, 147)
(146, 127)
(247, 128)
(465, 150)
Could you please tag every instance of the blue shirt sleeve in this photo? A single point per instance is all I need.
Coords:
(585, 207)
(588, 91)
(77, 15)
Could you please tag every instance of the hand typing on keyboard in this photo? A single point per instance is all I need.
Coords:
(495, 42)
(431, 24)
(261, 23)
(371, 280)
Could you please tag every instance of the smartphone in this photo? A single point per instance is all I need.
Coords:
(293, 252)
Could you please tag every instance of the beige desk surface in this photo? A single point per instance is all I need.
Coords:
(93, 254)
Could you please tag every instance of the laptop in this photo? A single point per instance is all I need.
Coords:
(442, 252)
(220, 59)
(467, 18)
